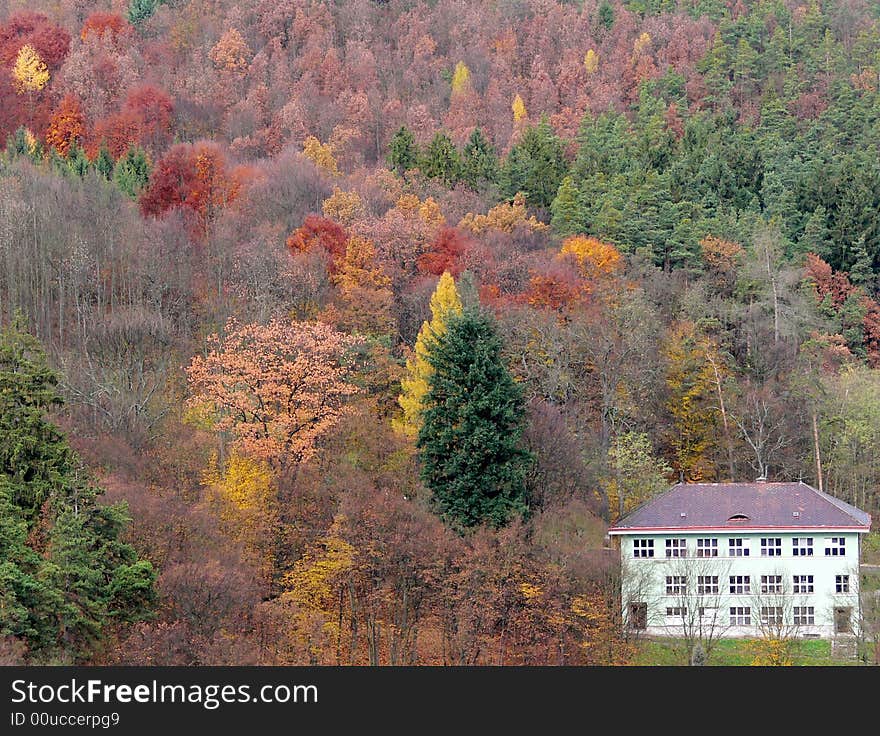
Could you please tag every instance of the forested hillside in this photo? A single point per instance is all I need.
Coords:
(338, 332)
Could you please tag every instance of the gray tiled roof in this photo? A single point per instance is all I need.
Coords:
(711, 505)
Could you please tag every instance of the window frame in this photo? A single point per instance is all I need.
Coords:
(676, 585)
(707, 544)
(741, 549)
(771, 550)
(676, 547)
(740, 581)
(835, 546)
(740, 612)
(804, 612)
(841, 581)
(797, 583)
(771, 588)
(805, 550)
(643, 547)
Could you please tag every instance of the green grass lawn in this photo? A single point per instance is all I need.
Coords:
(734, 652)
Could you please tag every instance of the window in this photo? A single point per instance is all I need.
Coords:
(676, 548)
(771, 547)
(802, 546)
(707, 548)
(676, 611)
(771, 583)
(771, 615)
(676, 585)
(638, 616)
(707, 584)
(841, 583)
(835, 547)
(643, 547)
(740, 584)
(710, 612)
(738, 547)
(740, 616)
(804, 615)
(803, 583)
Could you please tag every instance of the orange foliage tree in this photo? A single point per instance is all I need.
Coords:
(597, 260)
(276, 388)
(67, 125)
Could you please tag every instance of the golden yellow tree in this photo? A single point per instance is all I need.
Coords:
(595, 258)
(519, 109)
(243, 492)
(505, 217)
(461, 79)
(591, 61)
(321, 154)
(343, 207)
(231, 53)
(29, 73)
(414, 386)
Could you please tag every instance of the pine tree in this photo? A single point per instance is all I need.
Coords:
(441, 160)
(568, 215)
(861, 273)
(59, 600)
(445, 302)
(104, 163)
(141, 10)
(77, 161)
(403, 153)
(479, 164)
(817, 237)
(535, 166)
(473, 421)
(132, 171)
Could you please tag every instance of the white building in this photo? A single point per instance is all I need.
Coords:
(712, 560)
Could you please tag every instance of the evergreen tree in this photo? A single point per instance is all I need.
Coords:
(535, 166)
(861, 273)
(479, 164)
(816, 238)
(141, 10)
(77, 161)
(403, 153)
(472, 424)
(568, 215)
(132, 171)
(441, 160)
(104, 163)
(65, 573)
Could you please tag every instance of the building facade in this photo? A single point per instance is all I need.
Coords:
(713, 560)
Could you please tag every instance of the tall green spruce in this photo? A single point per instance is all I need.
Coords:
(472, 423)
(65, 574)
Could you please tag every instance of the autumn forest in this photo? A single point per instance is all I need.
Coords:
(338, 332)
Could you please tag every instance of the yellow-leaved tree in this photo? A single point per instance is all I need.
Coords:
(519, 109)
(29, 73)
(591, 61)
(461, 79)
(321, 154)
(414, 386)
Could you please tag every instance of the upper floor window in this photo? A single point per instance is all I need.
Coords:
(707, 548)
(771, 547)
(771, 583)
(707, 584)
(841, 583)
(803, 584)
(676, 548)
(835, 547)
(802, 546)
(643, 547)
(740, 584)
(676, 585)
(738, 547)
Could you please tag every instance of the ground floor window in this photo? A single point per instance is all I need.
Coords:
(740, 616)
